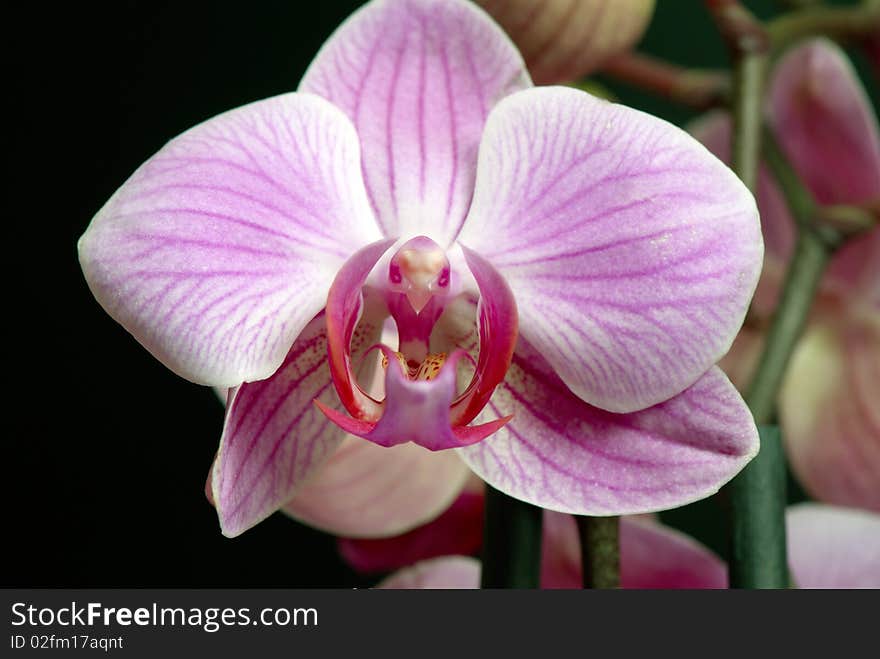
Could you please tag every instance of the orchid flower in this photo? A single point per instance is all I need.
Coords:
(562, 40)
(589, 261)
(828, 547)
(828, 404)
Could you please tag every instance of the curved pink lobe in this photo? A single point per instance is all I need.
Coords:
(498, 324)
(651, 556)
(562, 454)
(824, 121)
(632, 250)
(416, 411)
(459, 530)
(344, 306)
(832, 547)
(273, 437)
(219, 250)
(368, 491)
(418, 78)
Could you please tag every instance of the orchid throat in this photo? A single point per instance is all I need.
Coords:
(442, 313)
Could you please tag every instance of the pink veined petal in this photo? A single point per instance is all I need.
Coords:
(563, 40)
(562, 454)
(219, 250)
(829, 413)
(457, 531)
(418, 78)
(446, 572)
(832, 547)
(714, 131)
(367, 491)
(824, 121)
(651, 556)
(274, 436)
(633, 251)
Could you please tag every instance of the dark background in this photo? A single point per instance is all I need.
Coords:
(105, 452)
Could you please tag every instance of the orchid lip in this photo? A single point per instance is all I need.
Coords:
(423, 401)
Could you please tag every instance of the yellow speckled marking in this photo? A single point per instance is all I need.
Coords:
(427, 370)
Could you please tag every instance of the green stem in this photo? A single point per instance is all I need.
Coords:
(840, 23)
(511, 542)
(696, 88)
(600, 551)
(757, 494)
(757, 531)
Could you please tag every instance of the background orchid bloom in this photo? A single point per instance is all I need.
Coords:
(416, 175)
(827, 408)
(562, 40)
(828, 547)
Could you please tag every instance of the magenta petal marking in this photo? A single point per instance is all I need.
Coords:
(632, 250)
(418, 78)
(562, 454)
(218, 251)
(273, 436)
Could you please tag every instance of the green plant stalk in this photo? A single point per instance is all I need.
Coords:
(600, 551)
(511, 542)
(757, 531)
(839, 23)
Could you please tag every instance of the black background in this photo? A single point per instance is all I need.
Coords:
(104, 451)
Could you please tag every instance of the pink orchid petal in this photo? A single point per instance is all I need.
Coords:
(633, 252)
(459, 530)
(829, 413)
(562, 454)
(831, 547)
(460, 572)
(651, 556)
(219, 250)
(714, 131)
(824, 122)
(273, 436)
(563, 40)
(418, 78)
(367, 491)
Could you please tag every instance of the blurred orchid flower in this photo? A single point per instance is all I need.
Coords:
(828, 405)
(562, 40)
(418, 181)
(828, 547)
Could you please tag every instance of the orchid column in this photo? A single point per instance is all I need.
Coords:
(419, 251)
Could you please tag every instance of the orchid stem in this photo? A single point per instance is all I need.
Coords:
(696, 88)
(511, 542)
(600, 551)
(840, 23)
(757, 494)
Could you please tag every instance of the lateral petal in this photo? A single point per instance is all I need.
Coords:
(632, 251)
(219, 250)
